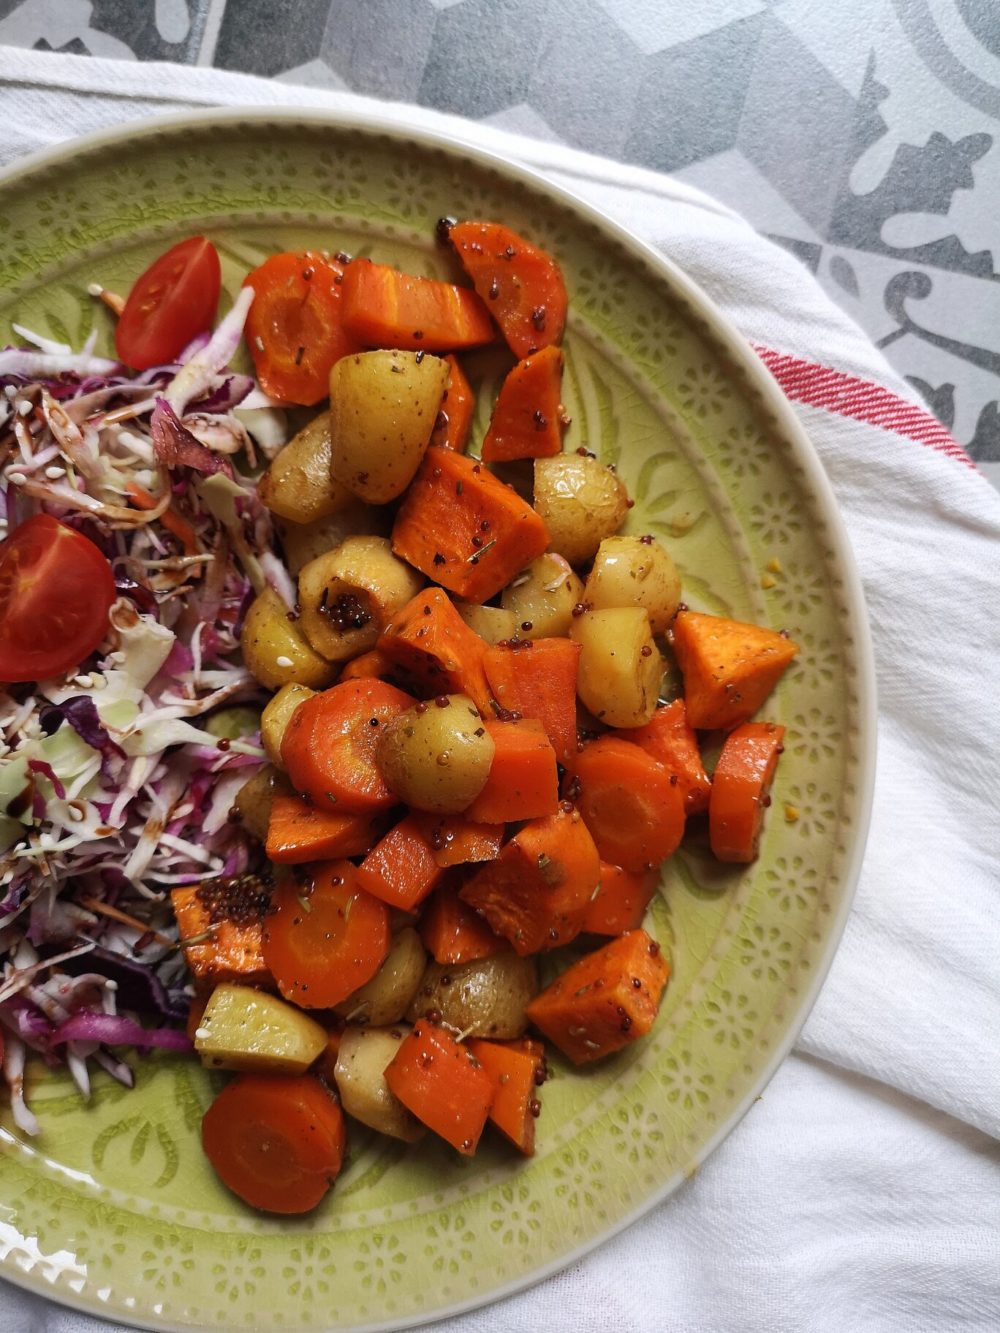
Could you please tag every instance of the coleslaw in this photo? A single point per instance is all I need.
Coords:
(116, 782)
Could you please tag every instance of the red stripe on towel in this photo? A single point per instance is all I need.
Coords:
(862, 400)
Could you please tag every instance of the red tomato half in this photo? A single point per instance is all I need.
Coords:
(56, 589)
(171, 303)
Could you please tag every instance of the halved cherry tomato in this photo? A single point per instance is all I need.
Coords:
(295, 329)
(56, 589)
(171, 303)
(276, 1141)
(325, 938)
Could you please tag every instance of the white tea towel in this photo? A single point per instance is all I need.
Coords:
(863, 1192)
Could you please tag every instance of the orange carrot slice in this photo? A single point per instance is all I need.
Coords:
(740, 789)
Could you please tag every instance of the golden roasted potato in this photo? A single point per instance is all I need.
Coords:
(383, 406)
(384, 999)
(484, 998)
(491, 623)
(620, 666)
(542, 598)
(436, 756)
(634, 571)
(581, 501)
(276, 651)
(253, 800)
(348, 596)
(299, 485)
(276, 716)
(243, 1028)
(362, 1059)
(303, 542)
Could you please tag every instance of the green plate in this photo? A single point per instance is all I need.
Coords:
(113, 1209)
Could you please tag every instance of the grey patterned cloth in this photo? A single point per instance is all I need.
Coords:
(860, 134)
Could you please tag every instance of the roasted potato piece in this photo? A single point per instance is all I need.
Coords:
(303, 542)
(253, 800)
(276, 651)
(383, 406)
(436, 756)
(362, 1059)
(634, 571)
(276, 717)
(384, 999)
(243, 1028)
(483, 998)
(542, 598)
(299, 485)
(581, 501)
(348, 596)
(491, 623)
(620, 666)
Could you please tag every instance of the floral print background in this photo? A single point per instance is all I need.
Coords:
(861, 134)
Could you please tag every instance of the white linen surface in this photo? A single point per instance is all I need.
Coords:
(863, 1191)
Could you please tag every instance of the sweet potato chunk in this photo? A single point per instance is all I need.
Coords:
(604, 1001)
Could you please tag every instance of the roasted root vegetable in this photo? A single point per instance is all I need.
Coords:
(484, 997)
(535, 894)
(492, 623)
(298, 832)
(276, 716)
(348, 596)
(430, 646)
(329, 745)
(386, 308)
(741, 786)
(295, 330)
(383, 406)
(401, 869)
(634, 571)
(542, 598)
(252, 807)
(527, 415)
(519, 283)
(298, 485)
(276, 1140)
(385, 998)
(453, 932)
(243, 1028)
(632, 805)
(620, 669)
(456, 840)
(580, 501)
(324, 938)
(523, 780)
(436, 756)
(219, 924)
(458, 406)
(303, 542)
(670, 739)
(539, 682)
(464, 528)
(517, 1068)
(604, 1001)
(729, 668)
(275, 650)
(439, 1080)
(621, 900)
(363, 1055)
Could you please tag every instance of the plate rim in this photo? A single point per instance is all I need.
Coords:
(388, 122)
